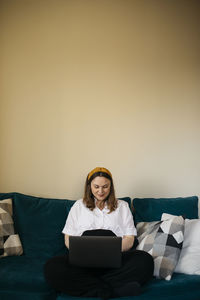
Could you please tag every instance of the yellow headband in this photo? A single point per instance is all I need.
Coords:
(99, 169)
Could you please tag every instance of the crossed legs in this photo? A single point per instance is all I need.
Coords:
(137, 266)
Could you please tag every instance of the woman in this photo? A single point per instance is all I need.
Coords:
(100, 213)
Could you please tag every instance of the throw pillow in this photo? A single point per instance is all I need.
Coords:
(151, 209)
(189, 261)
(9, 241)
(163, 240)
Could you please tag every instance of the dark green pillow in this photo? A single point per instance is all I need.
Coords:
(39, 222)
(151, 209)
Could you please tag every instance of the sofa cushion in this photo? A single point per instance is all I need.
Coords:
(26, 295)
(39, 222)
(22, 273)
(184, 287)
(151, 209)
(163, 240)
(10, 243)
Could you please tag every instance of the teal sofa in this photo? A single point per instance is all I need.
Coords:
(39, 222)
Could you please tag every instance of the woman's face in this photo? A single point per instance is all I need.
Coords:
(100, 187)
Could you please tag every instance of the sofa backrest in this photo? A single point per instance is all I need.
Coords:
(151, 209)
(39, 223)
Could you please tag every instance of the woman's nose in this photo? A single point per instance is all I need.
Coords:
(100, 190)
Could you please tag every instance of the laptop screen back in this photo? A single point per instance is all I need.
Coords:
(95, 251)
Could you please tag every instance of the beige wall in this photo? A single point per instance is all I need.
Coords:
(88, 83)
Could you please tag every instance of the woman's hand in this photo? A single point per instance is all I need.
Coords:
(127, 242)
(67, 240)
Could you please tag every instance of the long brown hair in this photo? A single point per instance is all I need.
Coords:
(88, 198)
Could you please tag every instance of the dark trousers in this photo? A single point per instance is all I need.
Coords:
(136, 266)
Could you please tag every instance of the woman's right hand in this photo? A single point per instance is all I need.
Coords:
(67, 240)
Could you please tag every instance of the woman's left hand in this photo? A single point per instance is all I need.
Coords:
(127, 242)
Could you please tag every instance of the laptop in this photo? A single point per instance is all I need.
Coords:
(95, 251)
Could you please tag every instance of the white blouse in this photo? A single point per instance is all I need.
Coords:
(81, 218)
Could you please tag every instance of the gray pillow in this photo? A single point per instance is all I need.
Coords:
(9, 241)
(163, 240)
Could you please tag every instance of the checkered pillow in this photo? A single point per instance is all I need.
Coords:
(163, 240)
(9, 241)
